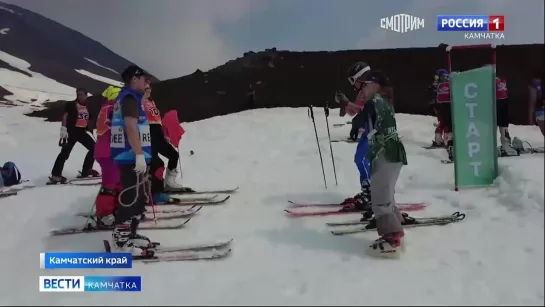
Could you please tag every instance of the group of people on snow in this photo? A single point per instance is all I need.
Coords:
(440, 100)
(380, 154)
(130, 137)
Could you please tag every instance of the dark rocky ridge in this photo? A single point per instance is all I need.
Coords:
(298, 79)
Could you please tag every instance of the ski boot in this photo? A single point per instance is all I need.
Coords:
(161, 198)
(389, 245)
(128, 241)
(90, 173)
(105, 204)
(517, 145)
(450, 150)
(438, 141)
(57, 180)
(407, 220)
(360, 202)
(505, 139)
(170, 181)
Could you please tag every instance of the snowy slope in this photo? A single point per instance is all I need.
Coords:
(493, 257)
(32, 87)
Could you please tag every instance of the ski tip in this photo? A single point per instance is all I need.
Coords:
(198, 209)
(187, 221)
(227, 198)
(291, 202)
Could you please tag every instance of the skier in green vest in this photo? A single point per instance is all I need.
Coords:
(387, 155)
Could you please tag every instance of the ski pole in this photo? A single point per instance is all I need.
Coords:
(311, 115)
(90, 215)
(326, 112)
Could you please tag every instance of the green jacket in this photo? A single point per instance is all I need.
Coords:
(383, 135)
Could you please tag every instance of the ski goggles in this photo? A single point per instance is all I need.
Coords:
(353, 79)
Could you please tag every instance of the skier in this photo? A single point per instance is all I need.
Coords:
(537, 102)
(439, 127)
(160, 145)
(387, 155)
(130, 148)
(442, 99)
(106, 200)
(362, 200)
(73, 130)
(502, 117)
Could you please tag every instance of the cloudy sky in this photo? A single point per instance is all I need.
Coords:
(172, 38)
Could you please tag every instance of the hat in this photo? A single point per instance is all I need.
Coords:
(376, 76)
(111, 92)
(133, 71)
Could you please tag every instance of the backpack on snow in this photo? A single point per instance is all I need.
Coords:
(10, 174)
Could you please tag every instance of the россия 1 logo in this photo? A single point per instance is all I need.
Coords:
(402, 23)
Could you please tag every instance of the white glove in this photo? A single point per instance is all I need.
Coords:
(140, 166)
(64, 133)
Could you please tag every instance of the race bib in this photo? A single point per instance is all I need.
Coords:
(84, 116)
(145, 136)
(117, 139)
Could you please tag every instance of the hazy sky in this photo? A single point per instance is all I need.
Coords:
(172, 38)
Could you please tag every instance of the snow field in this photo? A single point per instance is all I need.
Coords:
(494, 256)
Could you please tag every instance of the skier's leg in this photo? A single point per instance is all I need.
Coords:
(359, 159)
(132, 201)
(89, 143)
(447, 128)
(157, 169)
(106, 201)
(387, 216)
(362, 200)
(164, 148)
(66, 149)
(502, 120)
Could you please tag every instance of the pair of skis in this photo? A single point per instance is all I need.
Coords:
(298, 209)
(189, 201)
(357, 226)
(160, 214)
(145, 225)
(188, 190)
(183, 252)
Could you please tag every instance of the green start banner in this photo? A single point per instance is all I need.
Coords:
(473, 104)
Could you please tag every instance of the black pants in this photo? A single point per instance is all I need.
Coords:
(502, 113)
(444, 115)
(78, 136)
(159, 145)
(131, 194)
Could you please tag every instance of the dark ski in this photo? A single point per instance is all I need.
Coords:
(191, 191)
(329, 205)
(182, 253)
(192, 203)
(7, 193)
(147, 226)
(410, 223)
(161, 215)
(291, 213)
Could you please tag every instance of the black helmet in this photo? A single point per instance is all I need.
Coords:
(356, 71)
(376, 76)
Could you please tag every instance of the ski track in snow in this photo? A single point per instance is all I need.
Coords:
(495, 256)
